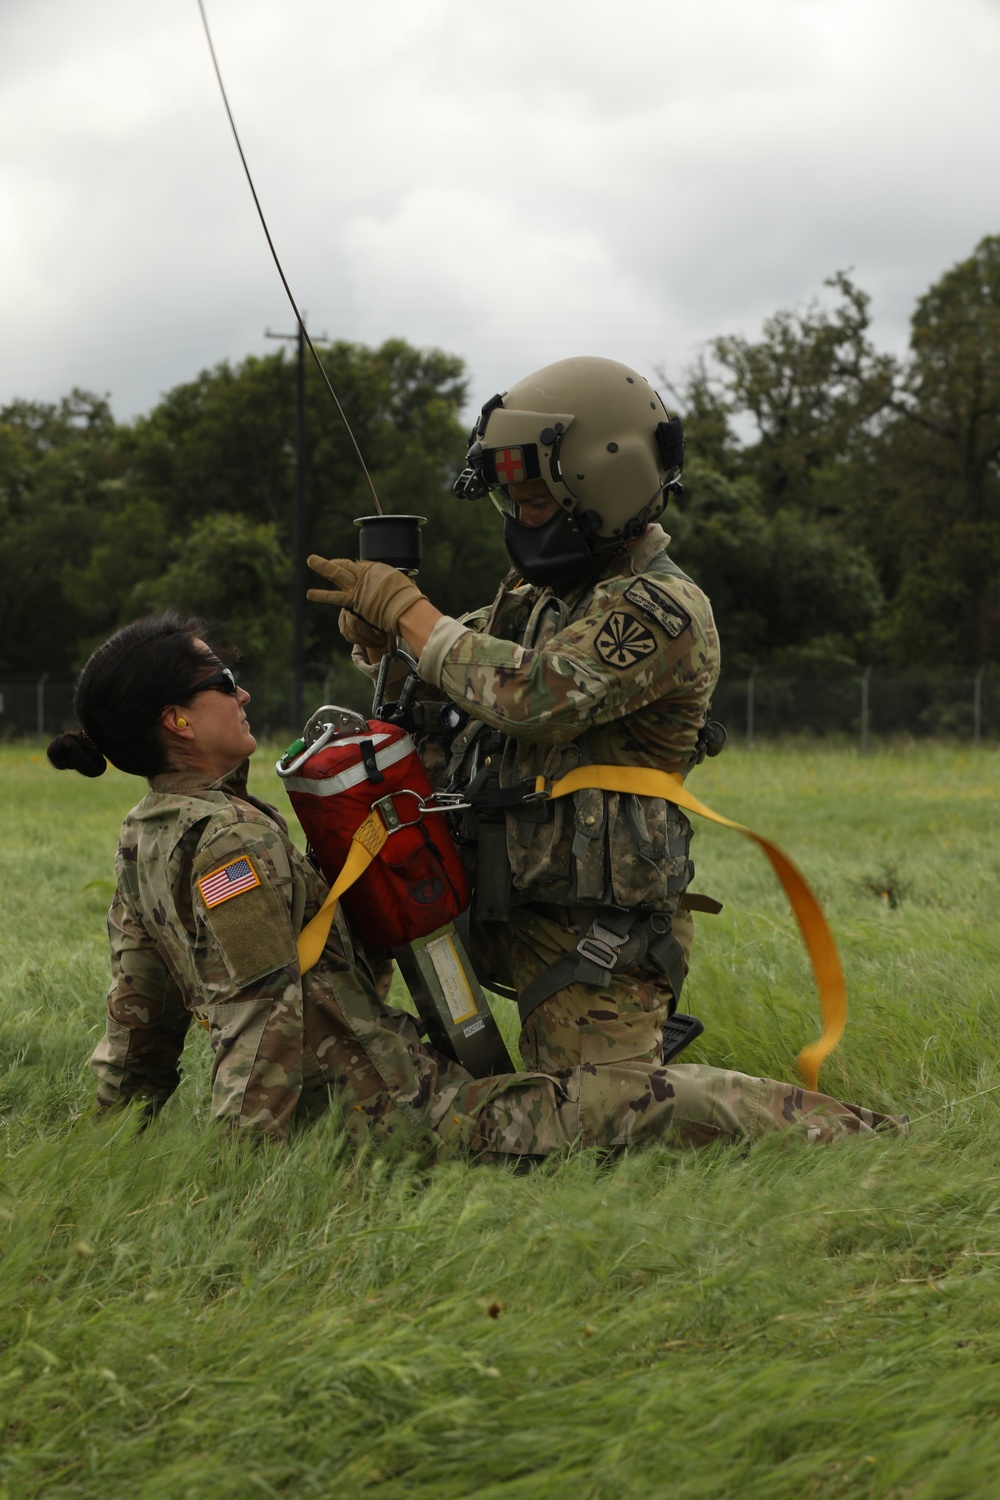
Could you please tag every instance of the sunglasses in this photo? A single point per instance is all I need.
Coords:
(222, 681)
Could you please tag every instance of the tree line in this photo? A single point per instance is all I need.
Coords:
(841, 505)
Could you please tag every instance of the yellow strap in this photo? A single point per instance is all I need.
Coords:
(808, 912)
(366, 843)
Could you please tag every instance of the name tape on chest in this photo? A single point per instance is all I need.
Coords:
(623, 640)
(228, 881)
(659, 607)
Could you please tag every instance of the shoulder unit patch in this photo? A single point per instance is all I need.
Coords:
(659, 606)
(623, 640)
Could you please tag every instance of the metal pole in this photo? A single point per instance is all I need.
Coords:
(977, 708)
(299, 578)
(40, 704)
(753, 674)
(865, 679)
(298, 532)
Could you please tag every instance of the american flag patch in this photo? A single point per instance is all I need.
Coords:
(229, 880)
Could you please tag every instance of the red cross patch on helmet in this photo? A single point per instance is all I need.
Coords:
(509, 465)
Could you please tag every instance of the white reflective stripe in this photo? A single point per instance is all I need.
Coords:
(354, 775)
(357, 739)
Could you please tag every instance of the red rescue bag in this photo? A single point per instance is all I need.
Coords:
(416, 883)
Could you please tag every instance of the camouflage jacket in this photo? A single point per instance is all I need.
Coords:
(620, 671)
(211, 894)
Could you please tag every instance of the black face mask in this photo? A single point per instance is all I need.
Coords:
(554, 554)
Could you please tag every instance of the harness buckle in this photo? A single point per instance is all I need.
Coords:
(597, 945)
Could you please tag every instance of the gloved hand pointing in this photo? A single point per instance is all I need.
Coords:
(381, 595)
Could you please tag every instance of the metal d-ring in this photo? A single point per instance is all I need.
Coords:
(390, 817)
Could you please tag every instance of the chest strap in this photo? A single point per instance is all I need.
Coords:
(822, 950)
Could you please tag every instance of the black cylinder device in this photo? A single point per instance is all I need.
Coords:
(395, 540)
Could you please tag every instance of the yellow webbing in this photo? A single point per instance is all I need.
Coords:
(366, 843)
(808, 912)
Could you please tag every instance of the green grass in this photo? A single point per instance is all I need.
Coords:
(181, 1318)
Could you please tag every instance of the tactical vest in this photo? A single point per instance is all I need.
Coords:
(594, 849)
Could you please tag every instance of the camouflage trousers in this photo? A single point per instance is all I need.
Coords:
(603, 1048)
(396, 1088)
(594, 1074)
(368, 1060)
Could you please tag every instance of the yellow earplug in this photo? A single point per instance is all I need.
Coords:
(182, 723)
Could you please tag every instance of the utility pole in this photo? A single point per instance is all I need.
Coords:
(298, 517)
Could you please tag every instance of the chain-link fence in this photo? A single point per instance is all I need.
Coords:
(755, 707)
(866, 708)
(39, 707)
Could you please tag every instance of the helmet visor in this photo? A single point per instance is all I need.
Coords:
(507, 507)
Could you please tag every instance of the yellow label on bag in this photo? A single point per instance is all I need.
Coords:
(458, 996)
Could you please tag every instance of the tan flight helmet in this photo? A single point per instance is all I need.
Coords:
(598, 435)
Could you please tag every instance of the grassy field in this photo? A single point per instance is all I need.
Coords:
(181, 1319)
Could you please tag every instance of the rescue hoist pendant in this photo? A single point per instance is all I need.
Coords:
(394, 540)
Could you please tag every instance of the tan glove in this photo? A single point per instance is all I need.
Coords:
(358, 632)
(373, 590)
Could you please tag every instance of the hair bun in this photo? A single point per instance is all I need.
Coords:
(75, 752)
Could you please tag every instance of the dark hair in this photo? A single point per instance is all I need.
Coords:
(122, 692)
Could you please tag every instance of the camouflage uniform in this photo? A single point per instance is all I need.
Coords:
(284, 1044)
(619, 672)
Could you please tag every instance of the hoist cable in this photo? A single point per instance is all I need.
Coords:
(288, 291)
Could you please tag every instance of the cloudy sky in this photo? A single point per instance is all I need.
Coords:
(513, 183)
